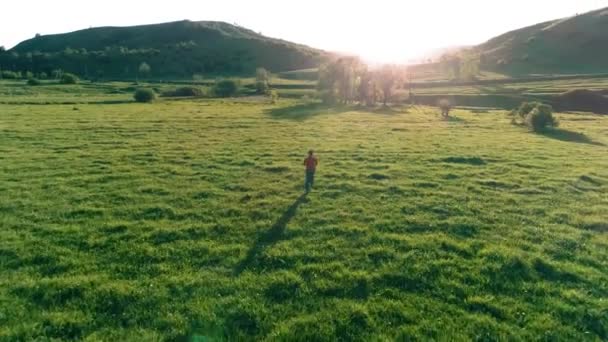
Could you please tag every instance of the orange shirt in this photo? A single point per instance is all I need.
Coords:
(311, 163)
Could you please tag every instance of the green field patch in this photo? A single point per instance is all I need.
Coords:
(168, 221)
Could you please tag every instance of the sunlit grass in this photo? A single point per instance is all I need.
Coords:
(186, 219)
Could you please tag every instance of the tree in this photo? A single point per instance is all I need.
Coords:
(327, 83)
(2, 48)
(451, 65)
(144, 69)
(338, 80)
(262, 80)
(469, 67)
(464, 66)
(366, 89)
(387, 77)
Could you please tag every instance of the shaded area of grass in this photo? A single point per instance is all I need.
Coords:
(475, 161)
(569, 136)
(305, 111)
(271, 236)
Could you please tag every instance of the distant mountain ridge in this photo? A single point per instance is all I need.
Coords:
(577, 44)
(178, 49)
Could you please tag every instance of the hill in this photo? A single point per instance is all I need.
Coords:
(182, 48)
(577, 44)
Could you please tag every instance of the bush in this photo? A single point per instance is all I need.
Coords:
(144, 95)
(540, 118)
(525, 109)
(274, 96)
(68, 78)
(537, 116)
(445, 106)
(33, 82)
(261, 87)
(226, 88)
(9, 75)
(185, 91)
(43, 75)
(262, 78)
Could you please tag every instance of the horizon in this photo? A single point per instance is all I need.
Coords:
(376, 40)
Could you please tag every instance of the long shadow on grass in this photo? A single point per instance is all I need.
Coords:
(454, 119)
(274, 234)
(386, 110)
(305, 111)
(569, 136)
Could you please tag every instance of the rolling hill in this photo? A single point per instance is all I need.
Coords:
(577, 44)
(175, 49)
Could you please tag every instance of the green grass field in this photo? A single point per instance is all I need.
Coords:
(186, 220)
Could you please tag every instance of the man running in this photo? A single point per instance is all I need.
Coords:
(311, 166)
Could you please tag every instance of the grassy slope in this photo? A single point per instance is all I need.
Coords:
(137, 222)
(570, 45)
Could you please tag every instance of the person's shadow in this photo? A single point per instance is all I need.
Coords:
(274, 234)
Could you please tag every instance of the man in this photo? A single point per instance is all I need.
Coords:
(311, 166)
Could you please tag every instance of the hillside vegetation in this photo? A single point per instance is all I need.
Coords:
(177, 49)
(186, 219)
(577, 44)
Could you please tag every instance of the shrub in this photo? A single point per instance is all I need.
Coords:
(68, 78)
(185, 91)
(261, 87)
(144, 95)
(33, 82)
(10, 75)
(537, 116)
(445, 106)
(43, 75)
(226, 88)
(262, 78)
(540, 118)
(525, 109)
(274, 96)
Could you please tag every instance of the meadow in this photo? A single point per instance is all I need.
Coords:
(186, 220)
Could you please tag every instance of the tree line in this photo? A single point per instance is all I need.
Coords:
(348, 80)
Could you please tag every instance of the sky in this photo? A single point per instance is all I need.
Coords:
(377, 30)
